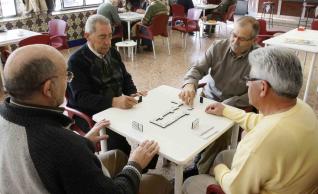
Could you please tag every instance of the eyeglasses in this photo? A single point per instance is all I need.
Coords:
(244, 39)
(251, 79)
(248, 78)
(69, 76)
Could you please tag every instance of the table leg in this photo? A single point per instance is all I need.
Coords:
(310, 73)
(1, 73)
(178, 179)
(128, 25)
(203, 12)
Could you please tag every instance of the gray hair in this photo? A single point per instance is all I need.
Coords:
(280, 67)
(90, 25)
(29, 78)
(248, 20)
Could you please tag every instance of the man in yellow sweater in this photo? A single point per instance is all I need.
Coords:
(279, 154)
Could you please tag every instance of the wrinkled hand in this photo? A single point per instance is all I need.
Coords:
(124, 102)
(93, 134)
(141, 11)
(215, 108)
(204, 18)
(187, 94)
(144, 153)
(141, 93)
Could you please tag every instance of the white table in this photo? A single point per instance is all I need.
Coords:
(12, 37)
(178, 142)
(205, 6)
(299, 40)
(130, 44)
(130, 17)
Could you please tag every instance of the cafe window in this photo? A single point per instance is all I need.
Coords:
(7, 8)
(74, 4)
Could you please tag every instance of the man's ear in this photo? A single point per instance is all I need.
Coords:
(264, 88)
(47, 89)
(86, 35)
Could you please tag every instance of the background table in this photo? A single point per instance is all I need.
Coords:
(130, 17)
(205, 6)
(178, 142)
(299, 40)
(12, 37)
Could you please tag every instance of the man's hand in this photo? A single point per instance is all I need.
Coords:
(93, 134)
(187, 94)
(141, 11)
(124, 102)
(215, 108)
(204, 18)
(143, 154)
(141, 93)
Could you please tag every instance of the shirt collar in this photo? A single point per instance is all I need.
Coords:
(53, 109)
(96, 53)
(242, 55)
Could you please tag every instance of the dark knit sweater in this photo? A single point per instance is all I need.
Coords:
(39, 155)
(93, 87)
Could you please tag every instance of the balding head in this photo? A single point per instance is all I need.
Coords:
(29, 67)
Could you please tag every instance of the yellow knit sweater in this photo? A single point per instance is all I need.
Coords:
(279, 154)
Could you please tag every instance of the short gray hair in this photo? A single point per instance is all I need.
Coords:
(280, 67)
(249, 20)
(29, 78)
(90, 25)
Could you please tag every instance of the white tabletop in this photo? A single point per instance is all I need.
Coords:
(178, 142)
(14, 36)
(131, 16)
(205, 6)
(300, 40)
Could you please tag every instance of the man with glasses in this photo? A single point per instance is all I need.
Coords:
(224, 65)
(38, 151)
(279, 153)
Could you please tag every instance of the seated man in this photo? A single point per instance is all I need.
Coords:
(109, 9)
(39, 154)
(225, 64)
(100, 79)
(218, 12)
(155, 8)
(279, 153)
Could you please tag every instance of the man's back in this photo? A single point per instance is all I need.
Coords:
(278, 155)
(110, 12)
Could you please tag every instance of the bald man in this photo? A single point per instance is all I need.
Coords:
(39, 154)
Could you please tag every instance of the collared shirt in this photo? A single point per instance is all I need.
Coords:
(96, 53)
(225, 82)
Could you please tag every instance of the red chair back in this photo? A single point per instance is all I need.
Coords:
(118, 32)
(229, 13)
(177, 10)
(57, 27)
(37, 39)
(194, 14)
(262, 27)
(314, 25)
(159, 25)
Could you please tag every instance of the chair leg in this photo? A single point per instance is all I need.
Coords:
(185, 40)
(168, 44)
(153, 48)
